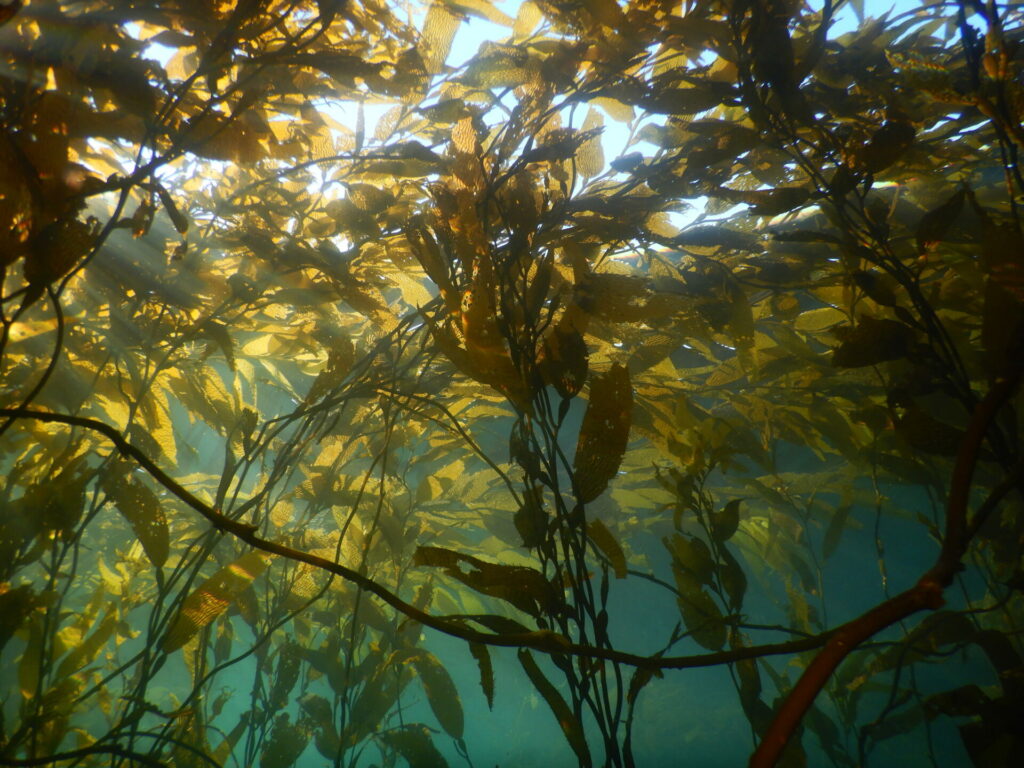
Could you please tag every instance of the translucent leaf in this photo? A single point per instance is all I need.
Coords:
(725, 522)
(709, 237)
(604, 433)
(231, 739)
(216, 137)
(693, 555)
(564, 364)
(414, 743)
(483, 660)
(733, 579)
(836, 526)
(287, 674)
(523, 587)
(605, 541)
(319, 710)
(142, 509)
(179, 221)
(439, 29)
(700, 613)
(880, 288)
(56, 248)
(28, 667)
(886, 146)
(484, 9)
(682, 101)
(86, 651)
(212, 598)
(616, 109)
(935, 223)
(441, 694)
(219, 335)
(772, 202)
(16, 605)
(531, 522)
(590, 158)
(819, 319)
(570, 726)
(527, 18)
(287, 742)
(871, 342)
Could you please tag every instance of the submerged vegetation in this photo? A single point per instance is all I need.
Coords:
(658, 365)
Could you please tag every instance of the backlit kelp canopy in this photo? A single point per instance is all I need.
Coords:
(639, 387)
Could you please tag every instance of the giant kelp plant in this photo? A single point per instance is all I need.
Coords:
(657, 367)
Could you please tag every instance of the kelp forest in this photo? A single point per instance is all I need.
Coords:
(455, 383)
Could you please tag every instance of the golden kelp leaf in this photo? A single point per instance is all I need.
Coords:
(759, 713)
(318, 708)
(886, 146)
(711, 237)
(570, 726)
(733, 579)
(16, 605)
(604, 433)
(439, 29)
(725, 522)
(442, 696)
(377, 697)
(684, 101)
(693, 555)
(1002, 326)
(559, 144)
(613, 297)
(483, 660)
(288, 666)
(219, 335)
(923, 432)
(527, 18)
(935, 223)
(287, 742)
(780, 200)
(836, 526)
(879, 287)
(820, 319)
(212, 598)
(484, 9)
(590, 158)
(113, 582)
(327, 742)
(217, 137)
(177, 219)
(445, 111)
(28, 667)
(605, 541)
(741, 320)
(224, 749)
(618, 111)
(523, 587)
(700, 613)
(56, 249)
(142, 509)
(368, 301)
(873, 341)
(531, 522)
(86, 651)
(564, 362)
(413, 743)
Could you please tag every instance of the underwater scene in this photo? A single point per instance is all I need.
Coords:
(514, 384)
